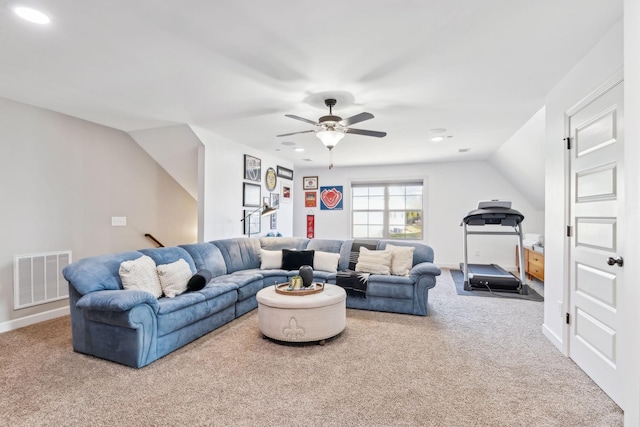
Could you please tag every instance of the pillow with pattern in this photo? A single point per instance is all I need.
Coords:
(401, 259)
(174, 277)
(141, 274)
(374, 262)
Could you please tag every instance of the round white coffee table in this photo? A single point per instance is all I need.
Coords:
(302, 318)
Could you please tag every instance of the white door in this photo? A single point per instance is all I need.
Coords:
(596, 213)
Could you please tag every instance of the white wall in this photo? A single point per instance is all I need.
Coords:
(631, 297)
(62, 181)
(602, 62)
(175, 148)
(451, 191)
(521, 159)
(221, 172)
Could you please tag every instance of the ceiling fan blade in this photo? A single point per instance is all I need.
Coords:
(294, 133)
(366, 132)
(356, 119)
(302, 119)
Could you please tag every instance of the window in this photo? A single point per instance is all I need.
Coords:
(387, 210)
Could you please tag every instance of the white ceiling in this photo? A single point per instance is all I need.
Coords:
(480, 69)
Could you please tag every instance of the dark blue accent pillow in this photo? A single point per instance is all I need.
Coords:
(199, 280)
(293, 260)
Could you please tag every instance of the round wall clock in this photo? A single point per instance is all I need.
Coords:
(270, 179)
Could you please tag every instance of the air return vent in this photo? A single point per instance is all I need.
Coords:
(37, 278)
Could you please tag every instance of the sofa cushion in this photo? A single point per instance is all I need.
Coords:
(376, 262)
(141, 274)
(325, 245)
(239, 253)
(270, 259)
(188, 308)
(401, 259)
(98, 273)
(168, 255)
(326, 261)
(279, 243)
(174, 277)
(247, 284)
(199, 280)
(293, 260)
(207, 256)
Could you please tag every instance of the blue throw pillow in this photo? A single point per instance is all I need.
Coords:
(199, 280)
(293, 260)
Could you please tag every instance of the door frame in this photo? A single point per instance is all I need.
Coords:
(610, 83)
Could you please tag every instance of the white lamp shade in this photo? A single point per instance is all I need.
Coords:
(330, 137)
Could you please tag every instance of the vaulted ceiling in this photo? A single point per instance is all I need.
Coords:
(479, 69)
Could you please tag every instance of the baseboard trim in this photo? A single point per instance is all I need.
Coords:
(555, 340)
(33, 319)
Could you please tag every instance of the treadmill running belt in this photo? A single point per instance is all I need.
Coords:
(491, 277)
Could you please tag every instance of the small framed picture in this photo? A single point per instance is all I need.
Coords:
(285, 193)
(252, 224)
(251, 194)
(285, 173)
(274, 220)
(310, 183)
(310, 199)
(252, 168)
(275, 200)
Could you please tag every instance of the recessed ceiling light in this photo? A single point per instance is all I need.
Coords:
(298, 149)
(439, 138)
(30, 14)
(307, 160)
(463, 150)
(288, 143)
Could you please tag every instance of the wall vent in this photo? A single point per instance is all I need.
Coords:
(37, 278)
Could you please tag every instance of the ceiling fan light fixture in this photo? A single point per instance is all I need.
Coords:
(330, 138)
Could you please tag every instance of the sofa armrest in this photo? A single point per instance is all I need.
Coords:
(424, 268)
(121, 300)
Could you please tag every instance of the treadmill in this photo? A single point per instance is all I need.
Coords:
(493, 277)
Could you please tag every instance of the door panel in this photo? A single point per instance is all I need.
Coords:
(596, 166)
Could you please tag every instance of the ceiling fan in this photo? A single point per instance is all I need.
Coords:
(333, 128)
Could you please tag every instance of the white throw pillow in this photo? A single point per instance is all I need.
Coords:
(270, 259)
(375, 262)
(401, 259)
(326, 261)
(174, 277)
(141, 274)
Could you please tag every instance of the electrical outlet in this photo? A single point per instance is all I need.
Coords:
(118, 221)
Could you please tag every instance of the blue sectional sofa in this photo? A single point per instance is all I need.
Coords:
(135, 328)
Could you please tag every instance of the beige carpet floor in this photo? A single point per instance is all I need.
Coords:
(471, 362)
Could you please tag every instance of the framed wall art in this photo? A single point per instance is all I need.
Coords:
(310, 183)
(286, 192)
(310, 199)
(251, 194)
(285, 173)
(270, 179)
(331, 198)
(275, 200)
(252, 224)
(252, 168)
(274, 220)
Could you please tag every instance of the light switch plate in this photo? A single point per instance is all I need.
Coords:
(118, 221)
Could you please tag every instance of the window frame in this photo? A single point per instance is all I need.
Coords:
(386, 210)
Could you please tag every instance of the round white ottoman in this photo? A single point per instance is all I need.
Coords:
(302, 318)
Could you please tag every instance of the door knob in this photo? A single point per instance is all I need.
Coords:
(613, 261)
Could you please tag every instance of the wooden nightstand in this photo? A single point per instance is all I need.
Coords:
(533, 264)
